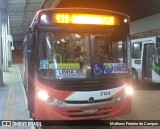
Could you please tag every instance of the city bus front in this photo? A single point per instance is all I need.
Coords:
(82, 72)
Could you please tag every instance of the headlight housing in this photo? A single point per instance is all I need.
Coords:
(43, 95)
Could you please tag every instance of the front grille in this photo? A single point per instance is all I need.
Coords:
(87, 102)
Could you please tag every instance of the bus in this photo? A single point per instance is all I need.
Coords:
(146, 59)
(77, 64)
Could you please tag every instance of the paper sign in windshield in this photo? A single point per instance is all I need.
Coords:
(64, 74)
(45, 64)
(66, 66)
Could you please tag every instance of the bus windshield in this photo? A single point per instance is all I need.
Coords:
(63, 55)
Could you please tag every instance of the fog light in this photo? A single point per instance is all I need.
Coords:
(58, 103)
(129, 90)
(50, 100)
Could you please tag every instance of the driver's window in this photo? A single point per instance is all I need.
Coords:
(72, 47)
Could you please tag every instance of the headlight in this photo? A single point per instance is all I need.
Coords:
(129, 90)
(43, 95)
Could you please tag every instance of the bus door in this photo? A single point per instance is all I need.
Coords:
(137, 60)
(147, 61)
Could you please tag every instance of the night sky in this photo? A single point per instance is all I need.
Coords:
(136, 9)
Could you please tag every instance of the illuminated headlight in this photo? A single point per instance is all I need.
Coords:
(43, 95)
(129, 90)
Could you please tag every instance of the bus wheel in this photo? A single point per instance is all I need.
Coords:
(134, 76)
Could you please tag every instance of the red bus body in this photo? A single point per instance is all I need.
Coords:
(44, 111)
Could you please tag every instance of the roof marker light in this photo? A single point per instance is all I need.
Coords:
(125, 20)
(44, 18)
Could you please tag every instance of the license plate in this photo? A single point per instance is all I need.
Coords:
(90, 111)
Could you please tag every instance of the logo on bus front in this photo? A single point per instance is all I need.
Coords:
(108, 68)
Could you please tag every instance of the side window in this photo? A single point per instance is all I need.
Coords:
(136, 50)
(42, 47)
(120, 51)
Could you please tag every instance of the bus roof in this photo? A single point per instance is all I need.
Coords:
(78, 10)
